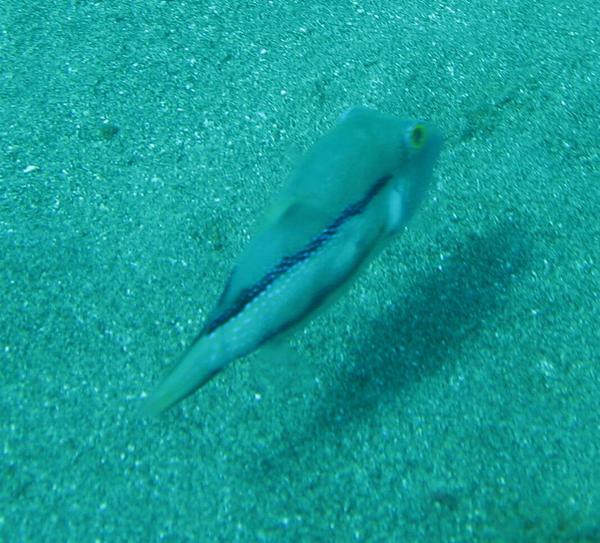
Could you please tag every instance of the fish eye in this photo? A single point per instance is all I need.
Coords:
(417, 136)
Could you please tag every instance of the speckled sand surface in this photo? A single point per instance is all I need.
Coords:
(455, 391)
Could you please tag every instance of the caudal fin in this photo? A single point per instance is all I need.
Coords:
(198, 366)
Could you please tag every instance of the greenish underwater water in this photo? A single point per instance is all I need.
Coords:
(452, 393)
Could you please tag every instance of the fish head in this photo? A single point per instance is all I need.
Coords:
(421, 147)
(405, 149)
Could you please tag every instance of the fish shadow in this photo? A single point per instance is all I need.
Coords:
(413, 338)
(430, 325)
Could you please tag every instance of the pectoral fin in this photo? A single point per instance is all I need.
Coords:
(279, 368)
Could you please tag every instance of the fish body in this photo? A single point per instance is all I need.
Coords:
(357, 186)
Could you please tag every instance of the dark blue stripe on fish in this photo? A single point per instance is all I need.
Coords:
(286, 263)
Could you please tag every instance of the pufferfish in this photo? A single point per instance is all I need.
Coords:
(352, 191)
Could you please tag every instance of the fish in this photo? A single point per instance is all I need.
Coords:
(349, 195)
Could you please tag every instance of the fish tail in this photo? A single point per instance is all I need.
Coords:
(198, 366)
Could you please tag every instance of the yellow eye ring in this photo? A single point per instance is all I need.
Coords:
(418, 136)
